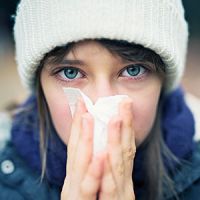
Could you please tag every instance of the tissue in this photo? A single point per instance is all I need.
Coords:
(102, 111)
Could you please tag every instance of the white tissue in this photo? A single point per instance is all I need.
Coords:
(102, 111)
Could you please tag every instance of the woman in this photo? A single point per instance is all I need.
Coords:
(105, 48)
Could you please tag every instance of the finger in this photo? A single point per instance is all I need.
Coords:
(76, 124)
(75, 133)
(108, 189)
(126, 114)
(89, 187)
(91, 184)
(128, 136)
(114, 148)
(85, 148)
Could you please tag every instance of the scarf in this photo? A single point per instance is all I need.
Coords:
(177, 129)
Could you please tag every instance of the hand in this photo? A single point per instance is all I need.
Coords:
(84, 172)
(109, 173)
(118, 165)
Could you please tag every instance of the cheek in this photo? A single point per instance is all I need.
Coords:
(144, 117)
(61, 117)
(145, 96)
(59, 109)
(144, 113)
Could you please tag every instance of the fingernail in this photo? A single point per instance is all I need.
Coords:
(87, 134)
(85, 121)
(78, 105)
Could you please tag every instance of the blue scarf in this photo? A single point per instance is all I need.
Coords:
(177, 128)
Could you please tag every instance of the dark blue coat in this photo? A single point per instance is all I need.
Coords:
(19, 182)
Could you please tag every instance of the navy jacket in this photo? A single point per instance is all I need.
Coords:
(19, 182)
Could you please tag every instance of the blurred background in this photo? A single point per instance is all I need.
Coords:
(11, 90)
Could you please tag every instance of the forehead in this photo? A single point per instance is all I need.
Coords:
(94, 55)
(91, 51)
(89, 48)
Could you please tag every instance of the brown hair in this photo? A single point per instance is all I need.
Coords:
(156, 149)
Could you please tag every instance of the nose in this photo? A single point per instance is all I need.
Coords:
(101, 88)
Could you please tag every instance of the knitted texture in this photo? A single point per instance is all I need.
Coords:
(156, 24)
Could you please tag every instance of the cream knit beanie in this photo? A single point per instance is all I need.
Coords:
(41, 25)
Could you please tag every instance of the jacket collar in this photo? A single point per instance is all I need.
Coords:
(186, 175)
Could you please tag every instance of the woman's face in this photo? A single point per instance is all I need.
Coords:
(97, 72)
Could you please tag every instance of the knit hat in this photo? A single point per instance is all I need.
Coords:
(42, 25)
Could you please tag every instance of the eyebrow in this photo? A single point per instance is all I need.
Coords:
(72, 62)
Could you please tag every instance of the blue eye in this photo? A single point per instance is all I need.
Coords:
(133, 70)
(70, 73)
